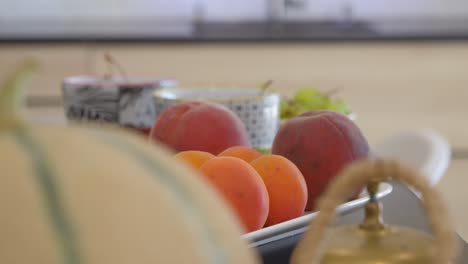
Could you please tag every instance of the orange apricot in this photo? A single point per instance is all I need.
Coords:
(194, 158)
(242, 152)
(286, 187)
(242, 188)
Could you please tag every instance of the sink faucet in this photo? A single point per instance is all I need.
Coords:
(278, 9)
(347, 13)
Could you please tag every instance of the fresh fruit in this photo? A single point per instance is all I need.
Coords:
(242, 188)
(242, 152)
(308, 99)
(287, 189)
(289, 109)
(338, 105)
(197, 125)
(194, 158)
(263, 151)
(311, 98)
(320, 143)
(96, 194)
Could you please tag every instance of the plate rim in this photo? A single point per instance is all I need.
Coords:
(266, 234)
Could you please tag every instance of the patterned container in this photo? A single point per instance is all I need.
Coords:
(114, 100)
(258, 111)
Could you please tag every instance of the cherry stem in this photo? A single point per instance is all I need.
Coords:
(112, 63)
(264, 87)
(333, 91)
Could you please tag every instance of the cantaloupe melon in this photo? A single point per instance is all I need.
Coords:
(83, 195)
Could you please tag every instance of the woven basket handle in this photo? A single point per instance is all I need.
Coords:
(359, 173)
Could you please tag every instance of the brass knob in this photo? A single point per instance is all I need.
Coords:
(440, 248)
(373, 218)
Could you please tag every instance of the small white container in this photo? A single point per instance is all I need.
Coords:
(125, 101)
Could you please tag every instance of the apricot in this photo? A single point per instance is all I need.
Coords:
(320, 143)
(199, 125)
(242, 188)
(194, 158)
(287, 189)
(242, 152)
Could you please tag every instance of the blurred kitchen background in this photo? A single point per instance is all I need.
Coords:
(225, 19)
(400, 65)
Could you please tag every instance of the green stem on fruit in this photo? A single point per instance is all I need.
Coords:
(11, 93)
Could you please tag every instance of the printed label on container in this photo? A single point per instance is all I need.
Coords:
(92, 103)
(136, 107)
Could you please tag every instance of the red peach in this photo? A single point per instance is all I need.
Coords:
(199, 125)
(320, 143)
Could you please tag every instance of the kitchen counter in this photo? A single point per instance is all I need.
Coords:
(392, 86)
(152, 30)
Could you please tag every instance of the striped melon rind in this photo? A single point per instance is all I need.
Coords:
(76, 195)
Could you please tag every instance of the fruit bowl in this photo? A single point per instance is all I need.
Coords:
(258, 109)
(297, 225)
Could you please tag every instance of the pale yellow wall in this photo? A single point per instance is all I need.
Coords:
(391, 86)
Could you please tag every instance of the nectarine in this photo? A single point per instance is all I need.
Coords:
(320, 143)
(199, 125)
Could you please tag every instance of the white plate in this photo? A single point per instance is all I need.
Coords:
(299, 224)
